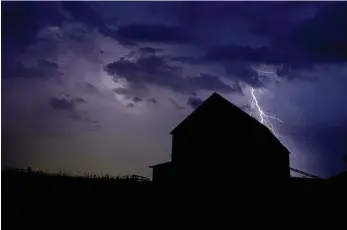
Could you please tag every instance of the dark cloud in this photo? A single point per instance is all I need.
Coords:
(132, 71)
(78, 35)
(155, 70)
(126, 43)
(260, 16)
(299, 40)
(112, 21)
(237, 61)
(246, 22)
(240, 69)
(187, 59)
(48, 65)
(305, 33)
(82, 12)
(126, 35)
(17, 69)
(210, 82)
(296, 26)
(21, 21)
(152, 100)
(87, 87)
(324, 36)
(175, 104)
(150, 70)
(137, 99)
(258, 55)
(44, 69)
(78, 100)
(149, 50)
(154, 33)
(300, 36)
(231, 53)
(61, 104)
(130, 105)
(243, 72)
(194, 102)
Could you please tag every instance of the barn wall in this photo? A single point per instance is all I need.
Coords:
(215, 155)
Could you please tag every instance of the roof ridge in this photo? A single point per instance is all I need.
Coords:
(213, 96)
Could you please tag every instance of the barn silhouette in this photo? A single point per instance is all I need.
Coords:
(221, 149)
(219, 142)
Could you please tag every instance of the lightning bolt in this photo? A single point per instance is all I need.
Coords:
(265, 118)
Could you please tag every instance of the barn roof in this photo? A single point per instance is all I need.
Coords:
(211, 103)
(217, 103)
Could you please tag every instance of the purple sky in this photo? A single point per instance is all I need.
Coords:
(98, 86)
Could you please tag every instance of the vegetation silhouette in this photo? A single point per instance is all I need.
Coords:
(34, 199)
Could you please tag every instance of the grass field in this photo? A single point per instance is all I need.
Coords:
(32, 200)
(37, 200)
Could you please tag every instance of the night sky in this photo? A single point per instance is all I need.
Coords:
(98, 86)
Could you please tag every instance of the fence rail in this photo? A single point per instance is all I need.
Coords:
(305, 174)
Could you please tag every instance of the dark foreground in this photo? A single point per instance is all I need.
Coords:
(40, 201)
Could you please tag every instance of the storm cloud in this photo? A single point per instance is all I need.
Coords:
(61, 104)
(194, 102)
(155, 70)
(42, 69)
(154, 33)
